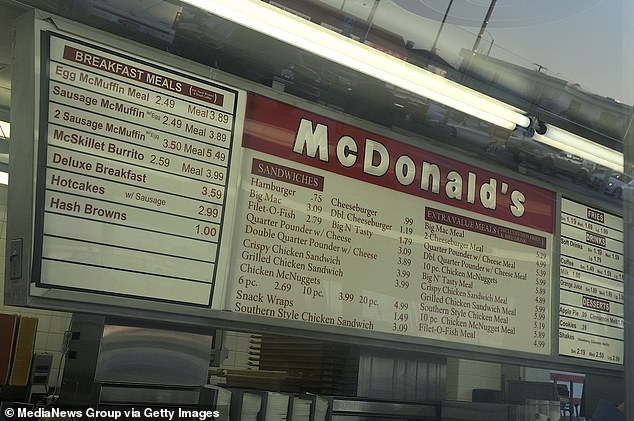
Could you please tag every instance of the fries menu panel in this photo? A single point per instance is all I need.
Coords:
(135, 163)
(341, 227)
(591, 284)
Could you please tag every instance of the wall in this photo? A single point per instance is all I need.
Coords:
(465, 375)
(237, 344)
(51, 325)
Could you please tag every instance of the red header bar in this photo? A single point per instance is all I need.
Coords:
(280, 129)
(290, 175)
(481, 227)
(155, 80)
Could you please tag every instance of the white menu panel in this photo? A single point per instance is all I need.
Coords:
(435, 255)
(135, 165)
(591, 284)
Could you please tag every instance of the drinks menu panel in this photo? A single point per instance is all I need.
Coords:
(341, 227)
(591, 284)
(135, 164)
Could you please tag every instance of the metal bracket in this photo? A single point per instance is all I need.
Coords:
(15, 259)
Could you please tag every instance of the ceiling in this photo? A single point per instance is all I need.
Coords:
(537, 37)
(508, 13)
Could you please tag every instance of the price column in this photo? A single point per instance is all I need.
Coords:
(403, 277)
(540, 325)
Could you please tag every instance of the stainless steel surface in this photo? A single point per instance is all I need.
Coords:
(171, 365)
(402, 376)
(152, 356)
(375, 408)
(350, 409)
(78, 386)
(471, 411)
(149, 396)
(362, 418)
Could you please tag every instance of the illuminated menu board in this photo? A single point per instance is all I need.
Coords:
(337, 226)
(591, 284)
(134, 167)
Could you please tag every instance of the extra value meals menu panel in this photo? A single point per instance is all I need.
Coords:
(337, 226)
(134, 166)
(591, 284)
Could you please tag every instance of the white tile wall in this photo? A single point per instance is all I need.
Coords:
(452, 379)
(237, 343)
(465, 375)
(51, 325)
(536, 374)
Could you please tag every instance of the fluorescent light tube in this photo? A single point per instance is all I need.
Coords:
(299, 32)
(5, 130)
(4, 178)
(277, 23)
(581, 147)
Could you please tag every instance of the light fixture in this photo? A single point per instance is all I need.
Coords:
(4, 178)
(294, 30)
(577, 145)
